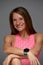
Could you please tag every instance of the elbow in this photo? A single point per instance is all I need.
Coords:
(5, 50)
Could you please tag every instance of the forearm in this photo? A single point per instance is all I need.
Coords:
(15, 56)
(16, 51)
(18, 56)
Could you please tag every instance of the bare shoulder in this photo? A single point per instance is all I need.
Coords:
(9, 38)
(39, 37)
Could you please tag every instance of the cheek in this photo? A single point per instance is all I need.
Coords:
(14, 23)
(24, 26)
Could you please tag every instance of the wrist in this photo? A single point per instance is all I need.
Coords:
(29, 53)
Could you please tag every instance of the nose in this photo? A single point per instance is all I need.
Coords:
(18, 22)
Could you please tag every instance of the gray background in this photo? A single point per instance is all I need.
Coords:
(35, 8)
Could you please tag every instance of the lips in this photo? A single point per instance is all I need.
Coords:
(19, 25)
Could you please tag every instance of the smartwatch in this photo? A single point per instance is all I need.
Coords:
(25, 51)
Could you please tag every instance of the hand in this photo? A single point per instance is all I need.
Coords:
(8, 59)
(33, 59)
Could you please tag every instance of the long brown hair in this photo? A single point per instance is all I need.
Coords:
(28, 21)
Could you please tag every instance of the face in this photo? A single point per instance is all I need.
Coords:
(18, 22)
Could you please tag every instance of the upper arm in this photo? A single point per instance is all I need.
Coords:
(42, 38)
(39, 39)
(7, 41)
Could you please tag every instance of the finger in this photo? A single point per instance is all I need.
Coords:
(38, 63)
(30, 62)
(34, 62)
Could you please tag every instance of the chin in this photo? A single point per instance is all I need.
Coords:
(20, 30)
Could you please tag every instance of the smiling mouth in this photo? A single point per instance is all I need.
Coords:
(19, 25)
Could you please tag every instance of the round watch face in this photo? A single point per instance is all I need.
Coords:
(26, 50)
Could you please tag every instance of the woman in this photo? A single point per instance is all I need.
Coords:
(24, 43)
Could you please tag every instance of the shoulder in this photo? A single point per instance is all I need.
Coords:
(38, 37)
(9, 38)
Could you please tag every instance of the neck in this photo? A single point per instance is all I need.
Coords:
(23, 34)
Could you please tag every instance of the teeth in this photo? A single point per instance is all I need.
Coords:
(19, 26)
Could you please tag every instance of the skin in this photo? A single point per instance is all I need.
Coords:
(17, 53)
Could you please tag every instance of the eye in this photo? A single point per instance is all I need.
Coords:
(21, 18)
(14, 19)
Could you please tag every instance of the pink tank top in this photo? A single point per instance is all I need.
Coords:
(24, 43)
